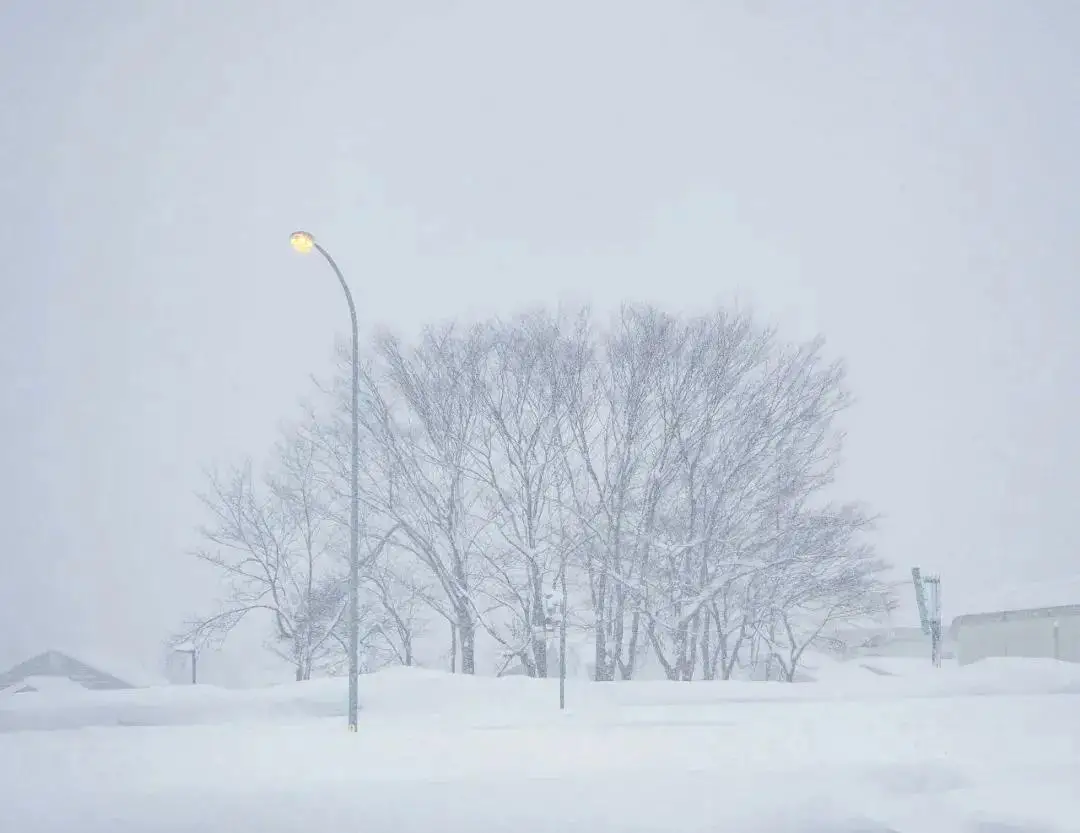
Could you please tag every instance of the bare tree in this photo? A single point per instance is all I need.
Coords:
(754, 445)
(728, 627)
(277, 547)
(832, 576)
(788, 597)
(710, 406)
(420, 414)
(396, 590)
(675, 468)
(516, 459)
(392, 594)
(617, 455)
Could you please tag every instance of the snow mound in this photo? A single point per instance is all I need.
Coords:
(416, 694)
(456, 754)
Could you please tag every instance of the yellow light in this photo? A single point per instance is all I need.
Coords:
(302, 241)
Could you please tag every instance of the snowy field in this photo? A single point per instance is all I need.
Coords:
(994, 748)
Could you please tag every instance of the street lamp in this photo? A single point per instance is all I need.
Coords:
(304, 243)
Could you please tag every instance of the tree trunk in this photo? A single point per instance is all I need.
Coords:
(691, 657)
(467, 630)
(627, 668)
(618, 628)
(732, 652)
(770, 660)
(601, 672)
(708, 661)
(670, 670)
(538, 637)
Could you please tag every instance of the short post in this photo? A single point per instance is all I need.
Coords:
(562, 640)
(191, 650)
(1057, 639)
(555, 614)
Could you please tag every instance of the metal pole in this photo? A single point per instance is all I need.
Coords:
(934, 585)
(194, 675)
(354, 508)
(562, 639)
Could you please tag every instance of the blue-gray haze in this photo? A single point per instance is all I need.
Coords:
(902, 177)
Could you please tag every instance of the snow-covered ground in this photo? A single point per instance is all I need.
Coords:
(994, 747)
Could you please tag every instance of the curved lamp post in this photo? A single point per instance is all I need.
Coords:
(304, 243)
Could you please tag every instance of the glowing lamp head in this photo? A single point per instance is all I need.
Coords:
(302, 242)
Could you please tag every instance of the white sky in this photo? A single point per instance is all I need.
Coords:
(900, 176)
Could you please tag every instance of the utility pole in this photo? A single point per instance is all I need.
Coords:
(928, 599)
(933, 586)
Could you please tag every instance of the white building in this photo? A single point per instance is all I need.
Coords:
(1026, 619)
(1052, 632)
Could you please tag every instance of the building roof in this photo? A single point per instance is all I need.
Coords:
(87, 672)
(1058, 612)
(47, 685)
(1033, 595)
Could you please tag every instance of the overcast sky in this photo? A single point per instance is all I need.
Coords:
(902, 177)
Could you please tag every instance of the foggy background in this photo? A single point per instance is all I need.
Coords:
(900, 177)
